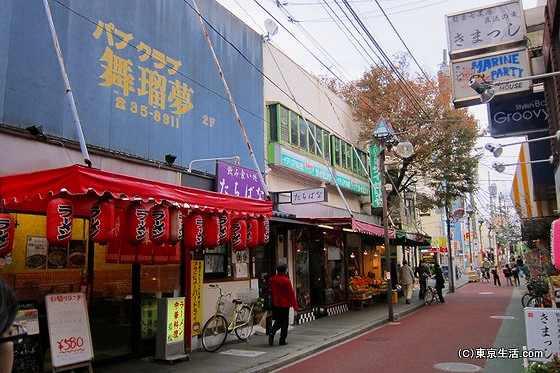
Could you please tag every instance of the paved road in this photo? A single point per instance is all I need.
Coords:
(478, 317)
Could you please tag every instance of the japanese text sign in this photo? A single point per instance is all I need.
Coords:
(68, 329)
(197, 277)
(175, 320)
(299, 197)
(239, 181)
(481, 28)
(542, 326)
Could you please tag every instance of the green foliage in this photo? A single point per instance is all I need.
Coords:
(552, 366)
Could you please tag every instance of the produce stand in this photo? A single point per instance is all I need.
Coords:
(362, 292)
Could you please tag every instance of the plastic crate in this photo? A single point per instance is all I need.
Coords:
(248, 295)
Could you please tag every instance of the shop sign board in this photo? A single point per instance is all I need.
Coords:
(376, 192)
(486, 27)
(302, 196)
(69, 334)
(310, 167)
(542, 328)
(507, 65)
(517, 114)
(239, 181)
(142, 74)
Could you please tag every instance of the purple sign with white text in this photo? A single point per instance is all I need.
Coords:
(238, 181)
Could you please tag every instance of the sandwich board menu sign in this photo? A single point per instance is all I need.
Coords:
(69, 333)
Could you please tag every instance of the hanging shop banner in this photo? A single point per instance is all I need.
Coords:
(197, 276)
(376, 196)
(517, 114)
(239, 181)
(513, 64)
(485, 27)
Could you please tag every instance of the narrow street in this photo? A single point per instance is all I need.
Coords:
(473, 320)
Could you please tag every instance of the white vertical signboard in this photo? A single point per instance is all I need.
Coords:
(69, 332)
(542, 326)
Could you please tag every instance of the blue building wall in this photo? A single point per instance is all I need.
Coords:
(141, 73)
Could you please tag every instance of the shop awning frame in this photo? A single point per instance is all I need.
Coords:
(351, 223)
(31, 192)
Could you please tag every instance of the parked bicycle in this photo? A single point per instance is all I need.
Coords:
(537, 294)
(430, 296)
(230, 315)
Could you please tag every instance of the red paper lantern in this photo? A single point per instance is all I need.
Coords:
(175, 225)
(238, 234)
(224, 227)
(264, 231)
(158, 224)
(555, 242)
(136, 216)
(7, 233)
(60, 215)
(102, 222)
(211, 236)
(194, 231)
(252, 232)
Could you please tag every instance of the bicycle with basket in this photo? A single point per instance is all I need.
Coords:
(230, 315)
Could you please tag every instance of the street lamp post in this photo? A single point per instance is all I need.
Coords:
(385, 134)
(481, 245)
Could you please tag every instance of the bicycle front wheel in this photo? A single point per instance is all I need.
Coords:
(214, 333)
(428, 296)
(244, 323)
(525, 299)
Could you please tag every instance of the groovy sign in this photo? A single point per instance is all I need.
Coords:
(514, 64)
(517, 114)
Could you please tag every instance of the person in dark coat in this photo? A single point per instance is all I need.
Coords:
(8, 309)
(496, 276)
(440, 282)
(423, 274)
(283, 297)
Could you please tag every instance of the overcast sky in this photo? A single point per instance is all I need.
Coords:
(308, 33)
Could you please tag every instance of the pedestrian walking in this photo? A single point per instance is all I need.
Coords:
(423, 274)
(486, 266)
(283, 297)
(521, 264)
(515, 275)
(440, 282)
(507, 275)
(406, 279)
(8, 309)
(496, 276)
